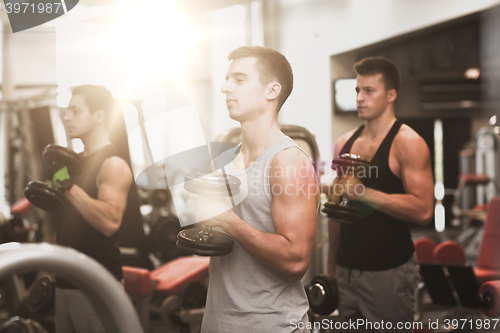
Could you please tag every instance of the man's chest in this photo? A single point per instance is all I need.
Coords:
(369, 149)
(365, 148)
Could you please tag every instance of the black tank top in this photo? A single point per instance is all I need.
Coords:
(73, 231)
(378, 241)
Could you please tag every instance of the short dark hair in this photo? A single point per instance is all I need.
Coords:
(378, 65)
(96, 97)
(271, 65)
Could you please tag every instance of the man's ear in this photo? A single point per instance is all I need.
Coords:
(99, 116)
(392, 95)
(274, 91)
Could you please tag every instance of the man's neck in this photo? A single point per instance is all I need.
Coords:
(257, 135)
(94, 142)
(379, 126)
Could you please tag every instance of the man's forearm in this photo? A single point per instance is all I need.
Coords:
(101, 215)
(273, 250)
(406, 207)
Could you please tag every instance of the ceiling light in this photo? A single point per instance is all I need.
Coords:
(493, 120)
(472, 73)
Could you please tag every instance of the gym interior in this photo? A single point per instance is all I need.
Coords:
(162, 60)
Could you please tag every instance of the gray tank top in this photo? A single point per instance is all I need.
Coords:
(244, 295)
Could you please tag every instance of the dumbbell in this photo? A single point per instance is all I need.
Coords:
(163, 237)
(323, 295)
(193, 297)
(213, 188)
(41, 296)
(346, 164)
(42, 194)
(21, 325)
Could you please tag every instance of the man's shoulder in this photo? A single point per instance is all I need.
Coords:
(291, 162)
(115, 166)
(341, 140)
(408, 136)
(290, 156)
(409, 143)
(344, 137)
(115, 160)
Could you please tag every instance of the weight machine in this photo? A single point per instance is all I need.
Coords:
(479, 183)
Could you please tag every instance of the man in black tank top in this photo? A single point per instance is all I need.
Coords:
(373, 259)
(97, 200)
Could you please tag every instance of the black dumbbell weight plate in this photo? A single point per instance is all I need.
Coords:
(351, 162)
(322, 293)
(208, 184)
(163, 236)
(169, 310)
(211, 183)
(340, 213)
(220, 244)
(194, 295)
(43, 196)
(58, 154)
(41, 295)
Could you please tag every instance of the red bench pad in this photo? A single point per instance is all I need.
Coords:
(449, 252)
(137, 281)
(485, 274)
(424, 247)
(172, 276)
(20, 207)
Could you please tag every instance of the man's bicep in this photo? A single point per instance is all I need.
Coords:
(416, 170)
(295, 195)
(115, 181)
(293, 217)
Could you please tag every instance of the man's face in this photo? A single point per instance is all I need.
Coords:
(78, 119)
(372, 98)
(245, 93)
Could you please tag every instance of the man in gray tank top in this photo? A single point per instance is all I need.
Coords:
(257, 287)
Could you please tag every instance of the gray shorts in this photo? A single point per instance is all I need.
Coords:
(75, 314)
(380, 301)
